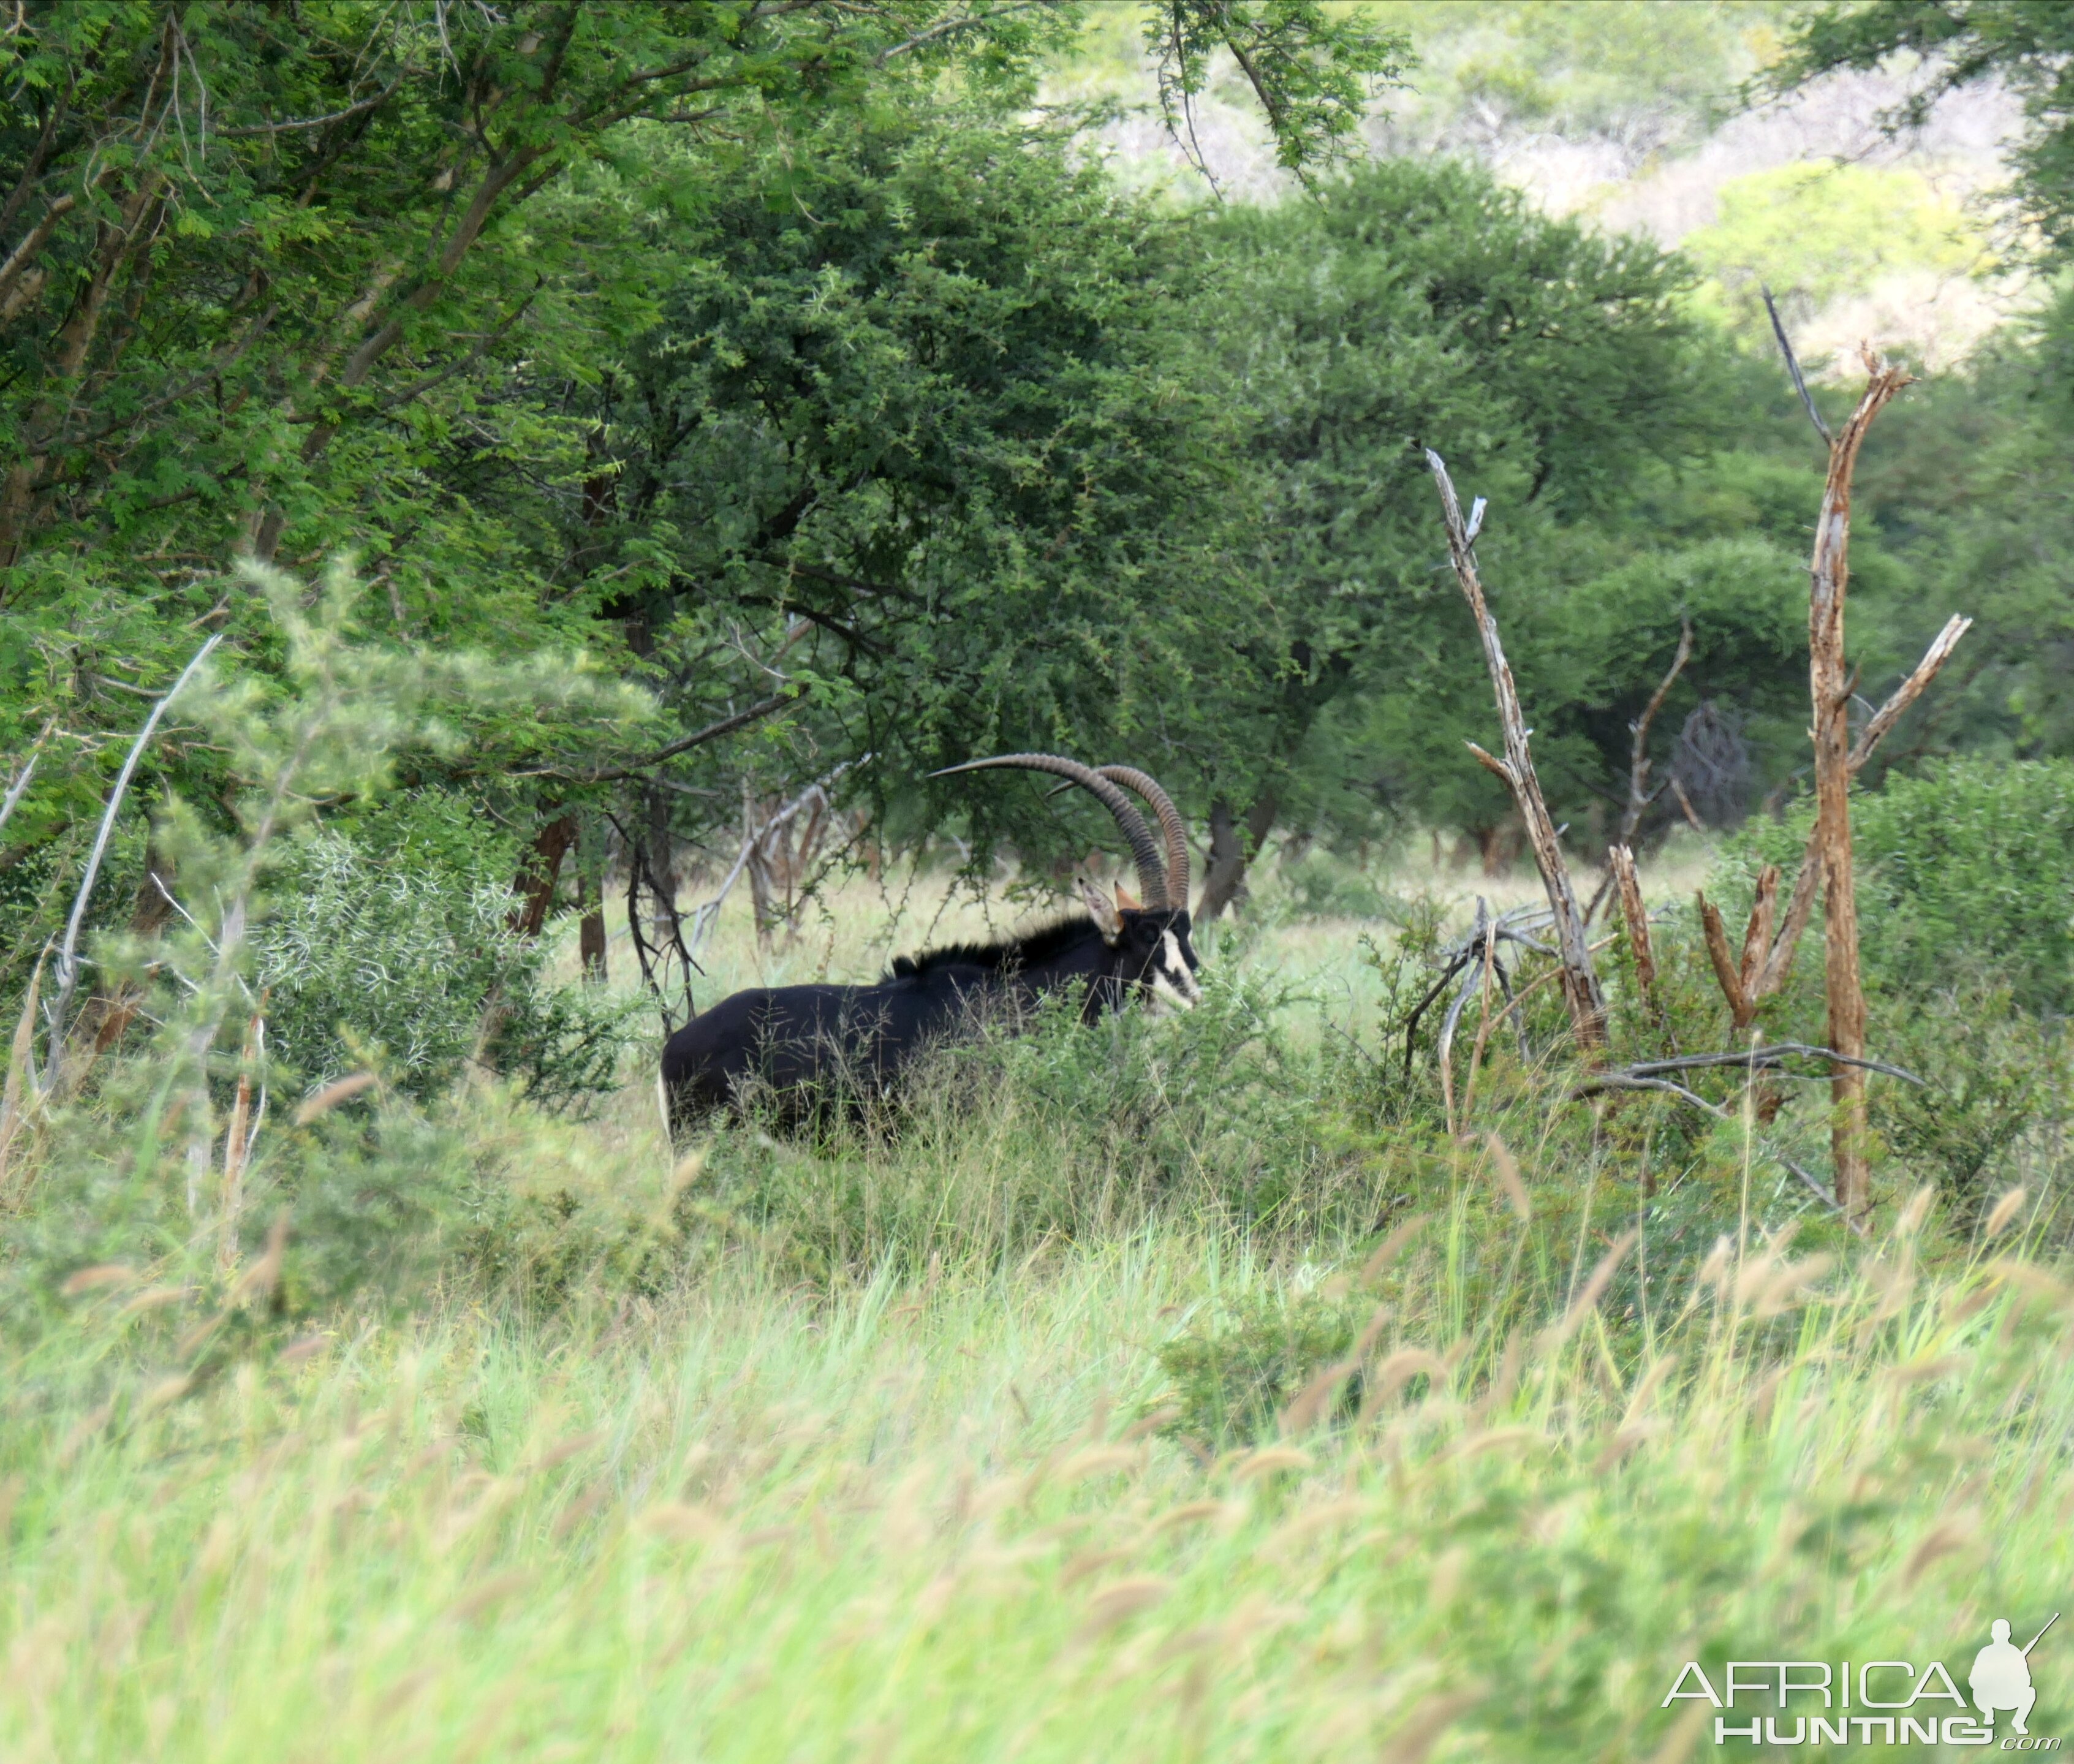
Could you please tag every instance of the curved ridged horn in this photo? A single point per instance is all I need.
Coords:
(1170, 823)
(1152, 876)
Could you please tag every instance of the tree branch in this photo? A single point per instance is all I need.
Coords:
(1793, 368)
(1580, 983)
(727, 726)
(1800, 905)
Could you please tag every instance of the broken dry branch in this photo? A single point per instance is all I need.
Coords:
(1581, 984)
(1757, 934)
(1739, 977)
(1620, 870)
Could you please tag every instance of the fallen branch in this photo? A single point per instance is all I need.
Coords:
(1457, 956)
(1580, 983)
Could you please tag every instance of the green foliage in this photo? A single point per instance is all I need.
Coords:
(398, 920)
(1232, 1373)
(1418, 305)
(1314, 69)
(1994, 1074)
(2024, 43)
(917, 416)
(1966, 868)
(398, 925)
(411, 286)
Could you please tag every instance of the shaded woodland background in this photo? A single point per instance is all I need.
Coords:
(911, 399)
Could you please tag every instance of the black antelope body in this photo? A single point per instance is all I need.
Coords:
(802, 1045)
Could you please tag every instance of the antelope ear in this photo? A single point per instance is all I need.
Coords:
(1108, 920)
(1126, 901)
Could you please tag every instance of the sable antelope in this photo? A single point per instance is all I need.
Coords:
(803, 1041)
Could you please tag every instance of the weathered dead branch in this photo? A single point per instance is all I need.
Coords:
(1738, 978)
(1829, 688)
(1581, 984)
(1620, 870)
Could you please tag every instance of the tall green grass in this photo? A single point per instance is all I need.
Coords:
(1208, 1387)
(936, 1517)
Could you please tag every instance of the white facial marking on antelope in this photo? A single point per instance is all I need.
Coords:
(1174, 986)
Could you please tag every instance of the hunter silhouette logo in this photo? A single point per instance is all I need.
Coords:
(2001, 1677)
(1874, 1702)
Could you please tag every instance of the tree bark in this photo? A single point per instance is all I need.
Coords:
(534, 884)
(1620, 871)
(1800, 906)
(1829, 688)
(591, 943)
(1223, 880)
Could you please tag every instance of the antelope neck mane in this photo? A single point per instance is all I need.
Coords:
(1037, 947)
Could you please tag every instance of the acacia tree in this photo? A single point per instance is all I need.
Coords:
(281, 282)
(916, 432)
(1416, 305)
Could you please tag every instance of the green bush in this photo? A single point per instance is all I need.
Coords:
(1968, 867)
(390, 936)
(1993, 1076)
(1231, 1376)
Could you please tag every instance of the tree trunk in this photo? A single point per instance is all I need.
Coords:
(1829, 686)
(542, 869)
(590, 942)
(1224, 884)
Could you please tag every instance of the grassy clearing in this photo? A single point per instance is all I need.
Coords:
(1164, 1391)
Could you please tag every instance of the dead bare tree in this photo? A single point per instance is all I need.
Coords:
(1830, 686)
(1827, 862)
(1580, 983)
